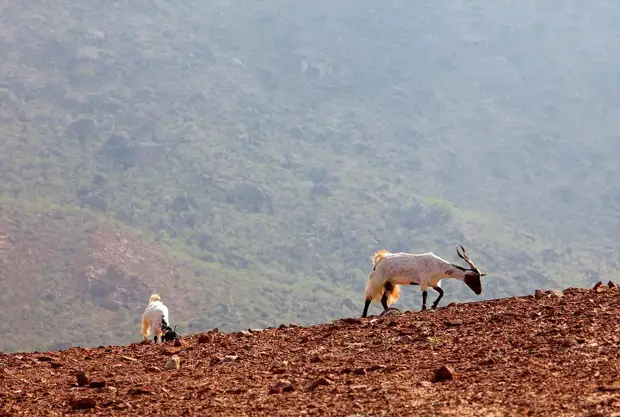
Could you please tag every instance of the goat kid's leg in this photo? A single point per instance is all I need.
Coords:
(424, 295)
(366, 305)
(440, 291)
(155, 339)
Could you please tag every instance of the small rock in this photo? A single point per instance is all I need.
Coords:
(359, 371)
(614, 386)
(539, 294)
(557, 294)
(83, 404)
(568, 342)
(228, 358)
(129, 359)
(82, 379)
(318, 382)
(204, 338)
(611, 284)
(453, 323)
(282, 326)
(55, 365)
(444, 373)
(425, 384)
(351, 320)
(178, 342)
(145, 342)
(283, 385)
(139, 391)
(153, 369)
(600, 289)
(597, 285)
(315, 359)
(173, 363)
(451, 305)
(391, 312)
(97, 384)
(45, 359)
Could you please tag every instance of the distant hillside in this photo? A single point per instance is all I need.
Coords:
(278, 144)
(68, 277)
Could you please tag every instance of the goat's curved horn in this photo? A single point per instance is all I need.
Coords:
(464, 256)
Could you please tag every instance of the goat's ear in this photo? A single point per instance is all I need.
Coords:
(483, 274)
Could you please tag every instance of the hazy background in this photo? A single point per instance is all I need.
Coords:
(245, 159)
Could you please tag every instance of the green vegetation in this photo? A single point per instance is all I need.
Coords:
(275, 145)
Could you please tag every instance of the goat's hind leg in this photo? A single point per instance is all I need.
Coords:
(440, 291)
(384, 298)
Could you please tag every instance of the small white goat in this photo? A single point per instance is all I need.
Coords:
(155, 320)
(424, 269)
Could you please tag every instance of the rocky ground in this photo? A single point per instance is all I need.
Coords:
(551, 354)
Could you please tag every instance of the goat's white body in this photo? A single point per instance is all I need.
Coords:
(424, 269)
(152, 319)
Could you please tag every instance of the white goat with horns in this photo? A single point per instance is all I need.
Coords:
(424, 269)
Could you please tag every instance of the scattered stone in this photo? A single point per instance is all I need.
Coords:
(82, 379)
(97, 384)
(350, 320)
(204, 338)
(317, 383)
(611, 284)
(614, 386)
(444, 373)
(557, 294)
(228, 358)
(315, 359)
(453, 304)
(359, 371)
(45, 359)
(139, 391)
(391, 312)
(282, 326)
(55, 365)
(426, 384)
(145, 342)
(453, 323)
(173, 363)
(283, 385)
(153, 369)
(129, 358)
(83, 404)
(178, 342)
(568, 342)
(539, 293)
(597, 285)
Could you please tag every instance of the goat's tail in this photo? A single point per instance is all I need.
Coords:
(375, 289)
(380, 254)
(146, 327)
(154, 297)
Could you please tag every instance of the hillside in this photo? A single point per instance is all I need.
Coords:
(549, 354)
(69, 277)
(274, 146)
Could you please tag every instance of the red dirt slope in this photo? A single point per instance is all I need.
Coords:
(552, 354)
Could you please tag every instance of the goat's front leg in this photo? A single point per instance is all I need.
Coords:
(424, 295)
(440, 291)
(366, 305)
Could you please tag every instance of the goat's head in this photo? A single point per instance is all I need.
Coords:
(471, 276)
(171, 334)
